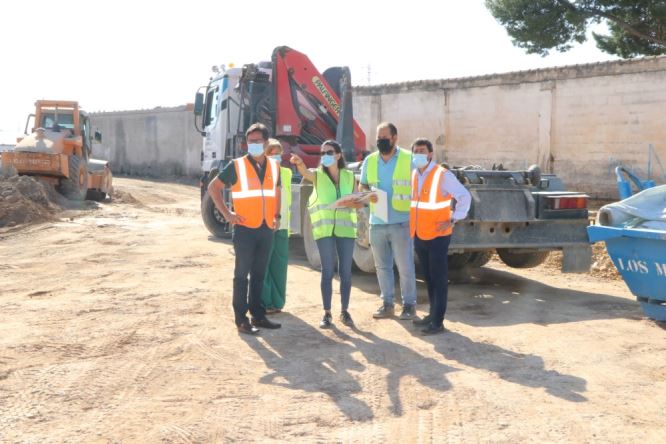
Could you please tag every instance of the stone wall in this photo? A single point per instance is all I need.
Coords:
(158, 142)
(578, 122)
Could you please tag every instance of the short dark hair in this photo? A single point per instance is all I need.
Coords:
(390, 126)
(258, 127)
(422, 141)
(338, 149)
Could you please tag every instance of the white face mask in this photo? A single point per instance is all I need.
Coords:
(420, 160)
(255, 149)
(276, 157)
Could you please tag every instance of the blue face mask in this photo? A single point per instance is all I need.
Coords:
(277, 158)
(255, 149)
(420, 160)
(327, 160)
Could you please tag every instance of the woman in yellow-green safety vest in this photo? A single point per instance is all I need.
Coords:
(274, 293)
(334, 229)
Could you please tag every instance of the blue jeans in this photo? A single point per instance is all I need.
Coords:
(394, 242)
(345, 248)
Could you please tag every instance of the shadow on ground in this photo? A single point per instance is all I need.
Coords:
(527, 370)
(321, 364)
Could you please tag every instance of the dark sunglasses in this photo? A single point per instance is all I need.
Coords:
(329, 152)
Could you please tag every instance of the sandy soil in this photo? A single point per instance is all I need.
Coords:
(116, 326)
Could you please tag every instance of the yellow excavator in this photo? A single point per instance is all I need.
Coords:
(58, 151)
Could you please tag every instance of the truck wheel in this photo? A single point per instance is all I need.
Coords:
(478, 259)
(311, 250)
(75, 187)
(213, 220)
(363, 258)
(522, 260)
(458, 261)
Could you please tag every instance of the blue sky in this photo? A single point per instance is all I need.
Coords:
(131, 54)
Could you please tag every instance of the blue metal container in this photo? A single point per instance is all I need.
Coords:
(624, 186)
(640, 257)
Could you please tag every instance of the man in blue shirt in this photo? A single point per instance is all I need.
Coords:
(389, 170)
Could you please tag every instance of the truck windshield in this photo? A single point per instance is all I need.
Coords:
(64, 120)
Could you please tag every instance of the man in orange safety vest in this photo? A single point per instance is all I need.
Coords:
(254, 180)
(431, 219)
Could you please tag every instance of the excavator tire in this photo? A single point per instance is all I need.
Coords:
(76, 186)
(522, 260)
(213, 220)
(97, 196)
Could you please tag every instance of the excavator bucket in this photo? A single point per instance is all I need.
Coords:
(100, 179)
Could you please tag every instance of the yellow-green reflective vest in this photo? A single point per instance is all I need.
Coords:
(402, 178)
(285, 198)
(327, 222)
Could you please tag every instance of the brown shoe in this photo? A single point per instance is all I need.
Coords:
(385, 311)
(247, 328)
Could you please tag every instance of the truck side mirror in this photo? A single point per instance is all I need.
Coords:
(98, 136)
(198, 104)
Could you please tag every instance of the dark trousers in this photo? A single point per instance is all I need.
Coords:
(252, 247)
(433, 256)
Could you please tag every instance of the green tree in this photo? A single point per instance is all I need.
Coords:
(635, 27)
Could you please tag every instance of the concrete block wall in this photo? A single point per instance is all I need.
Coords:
(578, 122)
(159, 142)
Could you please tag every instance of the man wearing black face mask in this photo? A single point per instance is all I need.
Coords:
(389, 170)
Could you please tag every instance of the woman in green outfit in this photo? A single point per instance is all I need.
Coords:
(275, 283)
(334, 229)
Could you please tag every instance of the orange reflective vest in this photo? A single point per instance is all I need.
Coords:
(430, 207)
(253, 199)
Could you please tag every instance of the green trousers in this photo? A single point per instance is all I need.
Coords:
(275, 283)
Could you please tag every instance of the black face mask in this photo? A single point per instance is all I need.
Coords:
(384, 146)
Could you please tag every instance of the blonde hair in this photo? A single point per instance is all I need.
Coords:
(274, 143)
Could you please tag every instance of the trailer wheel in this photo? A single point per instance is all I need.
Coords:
(311, 250)
(478, 259)
(458, 261)
(522, 260)
(75, 187)
(213, 220)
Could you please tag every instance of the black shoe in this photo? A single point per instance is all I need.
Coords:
(247, 328)
(346, 318)
(385, 311)
(408, 313)
(432, 330)
(265, 323)
(421, 322)
(326, 321)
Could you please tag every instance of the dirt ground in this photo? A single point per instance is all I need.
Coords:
(116, 326)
